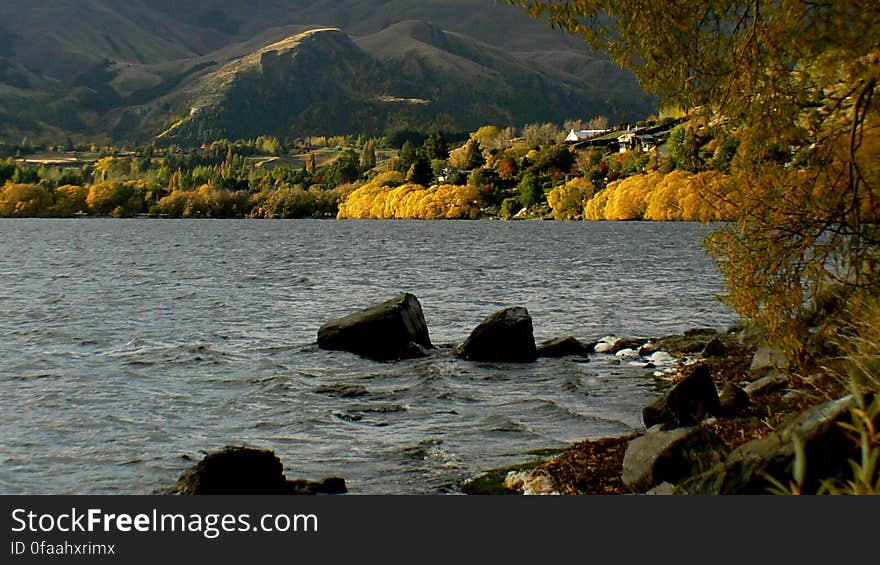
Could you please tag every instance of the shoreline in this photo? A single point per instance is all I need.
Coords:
(596, 467)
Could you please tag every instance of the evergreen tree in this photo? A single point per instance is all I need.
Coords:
(420, 172)
(436, 146)
(406, 156)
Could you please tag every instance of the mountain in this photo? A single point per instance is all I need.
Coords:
(133, 70)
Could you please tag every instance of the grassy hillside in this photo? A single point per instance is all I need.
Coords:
(103, 69)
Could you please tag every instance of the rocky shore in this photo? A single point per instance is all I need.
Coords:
(732, 421)
(734, 417)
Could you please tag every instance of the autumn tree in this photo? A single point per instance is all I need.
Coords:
(368, 155)
(795, 84)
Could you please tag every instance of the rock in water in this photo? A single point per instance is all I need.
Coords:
(563, 347)
(245, 470)
(505, 336)
(395, 329)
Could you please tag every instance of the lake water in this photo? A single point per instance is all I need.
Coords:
(128, 347)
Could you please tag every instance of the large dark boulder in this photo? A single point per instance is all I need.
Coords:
(733, 400)
(245, 470)
(505, 336)
(563, 347)
(670, 456)
(826, 450)
(715, 348)
(395, 329)
(686, 403)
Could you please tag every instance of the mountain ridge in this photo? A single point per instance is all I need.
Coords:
(71, 76)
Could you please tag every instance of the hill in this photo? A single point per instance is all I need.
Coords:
(104, 69)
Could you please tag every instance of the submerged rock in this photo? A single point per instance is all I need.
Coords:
(562, 347)
(245, 470)
(686, 403)
(505, 336)
(395, 329)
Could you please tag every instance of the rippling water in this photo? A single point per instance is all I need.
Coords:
(129, 346)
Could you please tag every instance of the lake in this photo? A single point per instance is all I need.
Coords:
(130, 347)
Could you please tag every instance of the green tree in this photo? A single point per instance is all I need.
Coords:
(529, 191)
(344, 169)
(436, 146)
(797, 83)
(420, 172)
(406, 156)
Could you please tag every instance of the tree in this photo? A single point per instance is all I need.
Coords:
(368, 155)
(473, 155)
(406, 156)
(796, 84)
(344, 169)
(536, 135)
(436, 146)
(420, 172)
(530, 191)
(310, 166)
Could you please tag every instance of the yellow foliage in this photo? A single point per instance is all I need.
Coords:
(568, 201)
(71, 199)
(628, 197)
(595, 209)
(677, 196)
(24, 200)
(410, 201)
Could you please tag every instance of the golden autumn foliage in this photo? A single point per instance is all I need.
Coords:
(71, 199)
(795, 88)
(207, 201)
(568, 200)
(677, 196)
(376, 200)
(25, 200)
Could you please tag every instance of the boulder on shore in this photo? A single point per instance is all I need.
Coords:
(562, 347)
(670, 456)
(395, 329)
(715, 348)
(505, 336)
(686, 403)
(767, 359)
(826, 452)
(245, 470)
(733, 400)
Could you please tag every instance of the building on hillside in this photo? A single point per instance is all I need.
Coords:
(584, 134)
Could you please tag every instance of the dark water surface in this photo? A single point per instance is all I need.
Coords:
(126, 345)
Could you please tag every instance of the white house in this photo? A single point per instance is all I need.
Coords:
(584, 134)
